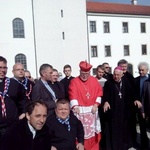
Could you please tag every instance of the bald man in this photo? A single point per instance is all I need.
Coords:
(26, 85)
(118, 99)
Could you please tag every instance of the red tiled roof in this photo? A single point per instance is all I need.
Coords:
(99, 7)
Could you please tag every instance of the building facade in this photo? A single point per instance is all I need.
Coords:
(118, 31)
(57, 32)
(36, 32)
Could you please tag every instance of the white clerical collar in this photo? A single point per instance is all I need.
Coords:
(32, 129)
(68, 77)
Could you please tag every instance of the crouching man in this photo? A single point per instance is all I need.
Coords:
(66, 130)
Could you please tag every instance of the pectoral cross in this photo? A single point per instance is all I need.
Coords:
(88, 95)
(120, 94)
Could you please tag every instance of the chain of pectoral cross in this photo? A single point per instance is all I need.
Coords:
(119, 89)
(87, 92)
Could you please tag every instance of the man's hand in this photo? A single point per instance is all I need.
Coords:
(80, 146)
(76, 110)
(138, 103)
(106, 106)
(22, 116)
(94, 108)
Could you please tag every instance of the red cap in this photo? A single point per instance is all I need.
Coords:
(84, 66)
(118, 68)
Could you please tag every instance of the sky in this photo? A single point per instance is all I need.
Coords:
(139, 2)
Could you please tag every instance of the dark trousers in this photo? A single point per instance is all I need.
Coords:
(143, 133)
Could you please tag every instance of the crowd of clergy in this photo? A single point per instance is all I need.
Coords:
(100, 112)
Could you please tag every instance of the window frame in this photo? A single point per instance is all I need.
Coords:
(18, 28)
(94, 51)
(125, 27)
(107, 51)
(106, 26)
(21, 58)
(126, 47)
(93, 27)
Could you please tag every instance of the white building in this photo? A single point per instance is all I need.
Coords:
(118, 31)
(62, 32)
(48, 31)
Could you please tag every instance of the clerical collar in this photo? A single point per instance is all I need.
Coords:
(68, 77)
(32, 130)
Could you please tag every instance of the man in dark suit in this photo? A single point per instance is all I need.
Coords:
(12, 98)
(143, 68)
(57, 86)
(42, 90)
(66, 130)
(66, 81)
(30, 133)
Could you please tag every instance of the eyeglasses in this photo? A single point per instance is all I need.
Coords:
(3, 68)
(28, 77)
(107, 67)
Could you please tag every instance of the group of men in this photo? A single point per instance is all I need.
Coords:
(83, 112)
(125, 103)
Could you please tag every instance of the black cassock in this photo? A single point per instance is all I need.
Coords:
(117, 127)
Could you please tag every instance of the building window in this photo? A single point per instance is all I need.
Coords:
(143, 28)
(94, 70)
(92, 26)
(18, 28)
(106, 27)
(21, 58)
(62, 13)
(126, 50)
(107, 51)
(94, 51)
(63, 35)
(125, 27)
(144, 49)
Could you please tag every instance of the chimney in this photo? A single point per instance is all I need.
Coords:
(134, 2)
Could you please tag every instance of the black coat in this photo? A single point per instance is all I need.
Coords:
(19, 137)
(146, 97)
(15, 102)
(118, 116)
(66, 81)
(58, 88)
(63, 139)
(41, 92)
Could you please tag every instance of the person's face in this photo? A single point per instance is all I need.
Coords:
(3, 69)
(47, 73)
(100, 73)
(117, 75)
(106, 68)
(67, 72)
(124, 67)
(38, 117)
(142, 70)
(27, 75)
(18, 71)
(62, 111)
(54, 76)
(84, 75)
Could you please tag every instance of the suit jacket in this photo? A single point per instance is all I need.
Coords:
(19, 137)
(40, 92)
(137, 87)
(63, 139)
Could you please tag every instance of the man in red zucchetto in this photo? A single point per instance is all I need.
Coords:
(85, 97)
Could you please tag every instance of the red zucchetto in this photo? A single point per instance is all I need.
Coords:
(85, 66)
